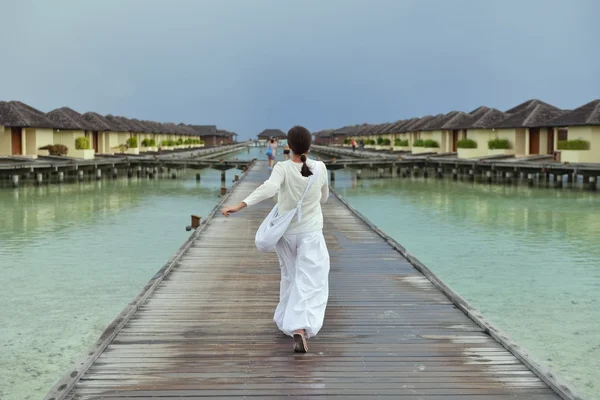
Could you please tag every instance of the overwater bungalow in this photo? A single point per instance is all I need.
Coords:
(108, 139)
(208, 134)
(578, 134)
(267, 134)
(23, 129)
(525, 128)
(401, 140)
(432, 130)
(69, 128)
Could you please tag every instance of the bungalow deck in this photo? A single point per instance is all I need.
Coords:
(202, 327)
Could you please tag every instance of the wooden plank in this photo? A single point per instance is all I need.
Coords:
(205, 329)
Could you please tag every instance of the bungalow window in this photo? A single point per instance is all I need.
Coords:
(563, 134)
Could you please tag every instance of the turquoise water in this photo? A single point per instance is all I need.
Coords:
(528, 259)
(73, 256)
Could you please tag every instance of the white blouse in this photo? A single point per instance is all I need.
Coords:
(288, 184)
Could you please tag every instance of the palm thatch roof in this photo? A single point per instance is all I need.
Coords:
(437, 122)
(272, 133)
(133, 124)
(118, 125)
(527, 104)
(188, 130)
(68, 119)
(586, 115)
(205, 130)
(419, 124)
(19, 115)
(488, 119)
(97, 121)
(535, 115)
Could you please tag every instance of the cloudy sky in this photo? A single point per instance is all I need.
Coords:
(247, 65)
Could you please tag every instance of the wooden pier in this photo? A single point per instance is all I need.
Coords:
(202, 327)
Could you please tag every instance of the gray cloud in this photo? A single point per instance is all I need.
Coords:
(249, 65)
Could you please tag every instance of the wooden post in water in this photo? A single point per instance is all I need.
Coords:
(471, 175)
(195, 222)
(440, 173)
(39, 178)
(223, 177)
(114, 173)
(80, 175)
(454, 174)
(332, 175)
(98, 174)
(592, 183)
(61, 176)
(129, 173)
(488, 175)
(15, 181)
(530, 180)
(223, 190)
(198, 177)
(174, 175)
(359, 174)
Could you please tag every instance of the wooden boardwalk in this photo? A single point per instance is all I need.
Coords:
(203, 327)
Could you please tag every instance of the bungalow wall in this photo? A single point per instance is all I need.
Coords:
(67, 138)
(588, 133)
(34, 138)
(439, 136)
(5, 141)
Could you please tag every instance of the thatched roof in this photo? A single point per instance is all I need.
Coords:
(97, 122)
(437, 121)
(133, 124)
(588, 114)
(19, 115)
(188, 130)
(205, 130)
(118, 125)
(346, 130)
(481, 117)
(419, 124)
(537, 114)
(527, 104)
(400, 125)
(363, 129)
(487, 119)
(68, 119)
(154, 127)
(272, 133)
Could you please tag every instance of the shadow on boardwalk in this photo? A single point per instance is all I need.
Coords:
(206, 330)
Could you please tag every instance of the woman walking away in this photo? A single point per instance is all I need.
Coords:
(302, 252)
(286, 149)
(271, 149)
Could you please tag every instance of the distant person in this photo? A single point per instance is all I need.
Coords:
(302, 252)
(353, 142)
(271, 150)
(362, 145)
(286, 149)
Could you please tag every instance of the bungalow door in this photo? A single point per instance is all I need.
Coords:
(534, 140)
(455, 140)
(550, 141)
(95, 141)
(16, 140)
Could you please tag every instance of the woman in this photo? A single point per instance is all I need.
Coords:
(271, 149)
(302, 252)
(286, 149)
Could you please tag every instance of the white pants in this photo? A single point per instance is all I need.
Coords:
(304, 287)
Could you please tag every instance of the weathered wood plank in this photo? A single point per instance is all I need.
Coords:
(205, 330)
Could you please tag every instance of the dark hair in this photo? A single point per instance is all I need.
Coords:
(272, 140)
(299, 140)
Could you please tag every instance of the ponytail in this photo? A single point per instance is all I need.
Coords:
(305, 171)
